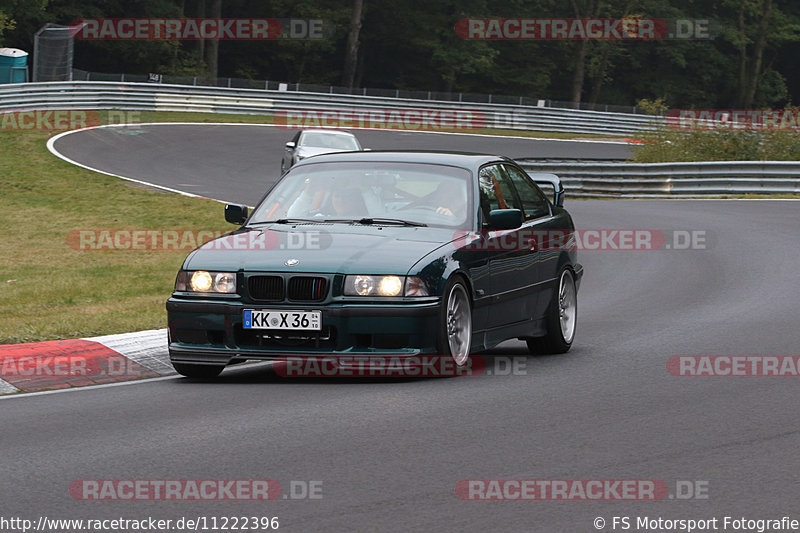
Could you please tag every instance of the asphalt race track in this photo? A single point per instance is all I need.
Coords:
(389, 453)
(242, 160)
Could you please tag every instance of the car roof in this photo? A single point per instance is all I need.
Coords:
(458, 159)
(329, 132)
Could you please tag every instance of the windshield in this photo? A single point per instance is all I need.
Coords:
(433, 195)
(321, 139)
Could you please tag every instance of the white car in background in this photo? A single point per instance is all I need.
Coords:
(306, 143)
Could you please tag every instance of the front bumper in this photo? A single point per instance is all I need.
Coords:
(206, 331)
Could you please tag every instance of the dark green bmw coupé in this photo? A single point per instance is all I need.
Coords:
(396, 254)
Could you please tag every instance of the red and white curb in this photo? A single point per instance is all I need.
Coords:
(38, 366)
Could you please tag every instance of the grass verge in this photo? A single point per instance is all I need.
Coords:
(48, 289)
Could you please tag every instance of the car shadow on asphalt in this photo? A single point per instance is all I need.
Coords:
(508, 359)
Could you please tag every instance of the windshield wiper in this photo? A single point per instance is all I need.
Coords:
(365, 220)
(285, 221)
(375, 221)
(397, 221)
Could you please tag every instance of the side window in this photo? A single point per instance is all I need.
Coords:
(534, 202)
(495, 191)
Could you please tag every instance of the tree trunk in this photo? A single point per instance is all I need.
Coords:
(351, 51)
(599, 79)
(177, 48)
(212, 48)
(756, 62)
(579, 72)
(742, 59)
(359, 70)
(450, 81)
(200, 44)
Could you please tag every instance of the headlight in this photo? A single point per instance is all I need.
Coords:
(203, 281)
(360, 285)
(390, 286)
(363, 285)
(225, 282)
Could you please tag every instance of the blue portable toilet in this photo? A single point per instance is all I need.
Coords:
(13, 65)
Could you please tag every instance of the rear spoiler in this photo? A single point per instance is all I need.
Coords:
(551, 181)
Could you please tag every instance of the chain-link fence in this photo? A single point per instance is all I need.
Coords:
(53, 52)
(240, 83)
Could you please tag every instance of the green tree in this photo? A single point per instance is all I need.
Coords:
(755, 28)
(6, 23)
(17, 18)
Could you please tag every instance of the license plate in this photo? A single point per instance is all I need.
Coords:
(280, 319)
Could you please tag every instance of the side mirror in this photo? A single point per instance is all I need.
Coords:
(551, 180)
(505, 219)
(290, 144)
(235, 214)
(558, 198)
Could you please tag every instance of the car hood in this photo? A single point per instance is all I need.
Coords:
(323, 248)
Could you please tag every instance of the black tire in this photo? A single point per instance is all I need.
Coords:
(557, 340)
(198, 371)
(455, 317)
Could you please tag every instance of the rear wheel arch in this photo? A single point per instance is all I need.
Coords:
(554, 342)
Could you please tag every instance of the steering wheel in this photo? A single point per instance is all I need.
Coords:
(418, 204)
(424, 207)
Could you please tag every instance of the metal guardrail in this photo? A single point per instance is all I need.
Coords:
(668, 180)
(162, 97)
